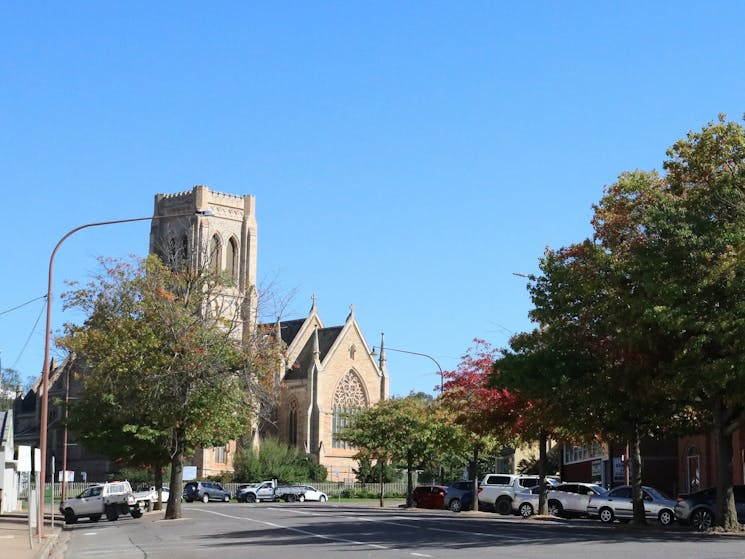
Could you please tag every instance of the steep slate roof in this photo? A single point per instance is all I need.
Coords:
(326, 339)
(290, 328)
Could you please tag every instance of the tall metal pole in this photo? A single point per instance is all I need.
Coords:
(47, 339)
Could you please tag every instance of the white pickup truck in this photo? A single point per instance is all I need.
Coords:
(112, 498)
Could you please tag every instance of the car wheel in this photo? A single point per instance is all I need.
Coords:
(526, 510)
(455, 505)
(666, 517)
(93, 517)
(606, 515)
(250, 498)
(555, 508)
(701, 519)
(205, 498)
(301, 498)
(137, 513)
(503, 505)
(112, 514)
(70, 517)
(226, 499)
(322, 499)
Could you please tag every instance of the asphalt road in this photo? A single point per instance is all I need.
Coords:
(326, 531)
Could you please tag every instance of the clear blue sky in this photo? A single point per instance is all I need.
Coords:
(406, 157)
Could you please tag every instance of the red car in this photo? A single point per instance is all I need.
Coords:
(429, 496)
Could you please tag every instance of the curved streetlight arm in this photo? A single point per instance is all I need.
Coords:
(47, 342)
(442, 381)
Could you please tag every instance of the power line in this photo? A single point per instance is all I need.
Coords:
(33, 329)
(23, 305)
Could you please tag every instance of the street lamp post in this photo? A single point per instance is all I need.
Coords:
(47, 341)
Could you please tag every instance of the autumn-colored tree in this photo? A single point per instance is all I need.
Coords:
(703, 238)
(489, 416)
(161, 364)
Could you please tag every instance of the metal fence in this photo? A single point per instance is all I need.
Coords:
(333, 490)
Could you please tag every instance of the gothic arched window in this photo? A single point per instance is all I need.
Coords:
(349, 397)
(231, 260)
(292, 423)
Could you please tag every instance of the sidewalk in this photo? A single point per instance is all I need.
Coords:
(14, 536)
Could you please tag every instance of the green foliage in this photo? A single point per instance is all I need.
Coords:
(369, 472)
(531, 465)
(10, 380)
(162, 372)
(276, 460)
(642, 327)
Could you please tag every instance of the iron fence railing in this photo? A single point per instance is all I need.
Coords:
(332, 489)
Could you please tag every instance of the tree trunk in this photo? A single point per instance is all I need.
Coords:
(382, 485)
(726, 515)
(542, 459)
(635, 459)
(475, 475)
(409, 480)
(158, 505)
(173, 510)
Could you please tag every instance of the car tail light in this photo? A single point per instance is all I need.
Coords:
(481, 489)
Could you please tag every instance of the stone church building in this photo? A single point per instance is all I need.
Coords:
(322, 373)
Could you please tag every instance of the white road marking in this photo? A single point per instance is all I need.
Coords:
(298, 530)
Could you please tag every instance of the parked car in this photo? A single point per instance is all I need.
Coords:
(565, 499)
(205, 491)
(617, 504)
(313, 494)
(499, 490)
(697, 509)
(111, 498)
(429, 496)
(148, 496)
(454, 495)
(242, 491)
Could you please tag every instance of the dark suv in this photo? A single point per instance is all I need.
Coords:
(205, 491)
(697, 509)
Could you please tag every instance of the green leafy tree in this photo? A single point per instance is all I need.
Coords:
(368, 471)
(162, 365)
(396, 430)
(276, 460)
(704, 240)
(10, 380)
(595, 303)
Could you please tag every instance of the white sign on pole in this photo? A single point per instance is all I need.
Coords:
(190, 473)
(37, 460)
(24, 459)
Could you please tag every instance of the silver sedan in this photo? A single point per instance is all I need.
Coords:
(617, 504)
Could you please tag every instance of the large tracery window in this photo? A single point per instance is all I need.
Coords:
(349, 397)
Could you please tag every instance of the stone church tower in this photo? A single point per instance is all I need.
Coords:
(207, 228)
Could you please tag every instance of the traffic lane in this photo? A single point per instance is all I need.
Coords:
(315, 531)
(440, 533)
